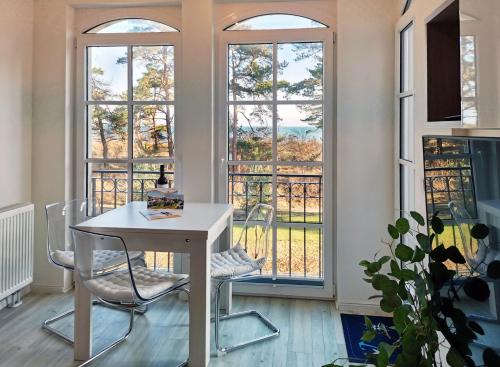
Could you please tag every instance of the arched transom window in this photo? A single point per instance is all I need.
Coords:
(131, 25)
(275, 21)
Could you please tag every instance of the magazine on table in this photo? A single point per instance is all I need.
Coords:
(155, 214)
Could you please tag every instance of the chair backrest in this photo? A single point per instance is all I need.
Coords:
(88, 248)
(254, 237)
(464, 223)
(59, 217)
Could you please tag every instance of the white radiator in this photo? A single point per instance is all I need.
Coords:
(16, 248)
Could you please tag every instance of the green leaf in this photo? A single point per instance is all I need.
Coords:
(479, 231)
(393, 231)
(418, 218)
(368, 335)
(395, 269)
(402, 225)
(494, 269)
(424, 242)
(454, 359)
(453, 253)
(439, 254)
(476, 327)
(402, 291)
(383, 260)
(407, 274)
(368, 322)
(403, 252)
(374, 267)
(477, 289)
(491, 358)
(384, 284)
(400, 319)
(364, 263)
(418, 255)
(437, 224)
(389, 303)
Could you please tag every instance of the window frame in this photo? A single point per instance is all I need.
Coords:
(405, 186)
(126, 40)
(327, 36)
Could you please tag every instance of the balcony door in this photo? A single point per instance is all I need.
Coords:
(276, 97)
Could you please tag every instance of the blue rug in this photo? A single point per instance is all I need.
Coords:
(354, 327)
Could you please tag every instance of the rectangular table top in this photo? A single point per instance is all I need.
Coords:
(198, 219)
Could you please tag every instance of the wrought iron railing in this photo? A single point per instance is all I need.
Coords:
(298, 198)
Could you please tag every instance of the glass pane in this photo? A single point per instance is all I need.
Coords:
(300, 133)
(407, 59)
(159, 260)
(145, 176)
(469, 112)
(247, 186)
(300, 71)
(275, 21)
(468, 55)
(107, 131)
(406, 129)
(107, 185)
(153, 73)
(250, 72)
(299, 252)
(132, 26)
(299, 193)
(153, 131)
(107, 73)
(250, 132)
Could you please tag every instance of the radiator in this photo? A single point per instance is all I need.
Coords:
(16, 248)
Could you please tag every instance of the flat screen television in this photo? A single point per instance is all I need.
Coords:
(462, 183)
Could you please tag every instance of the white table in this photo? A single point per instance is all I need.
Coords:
(193, 233)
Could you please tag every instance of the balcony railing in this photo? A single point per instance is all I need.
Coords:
(299, 219)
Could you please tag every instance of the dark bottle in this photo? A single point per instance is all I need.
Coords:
(162, 182)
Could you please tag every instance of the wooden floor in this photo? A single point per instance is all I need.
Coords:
(311, 334)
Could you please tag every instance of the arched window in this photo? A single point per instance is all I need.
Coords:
(275, 21)
(278, 99)
(132, 25)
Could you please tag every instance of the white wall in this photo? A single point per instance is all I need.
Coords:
(16, 43)
(365, 151)
(52, 120)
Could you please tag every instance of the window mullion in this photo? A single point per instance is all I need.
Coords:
(130, 115)
(275, 159)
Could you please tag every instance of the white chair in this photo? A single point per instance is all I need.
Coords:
(130, 287)
(244, 262)
(60, 247)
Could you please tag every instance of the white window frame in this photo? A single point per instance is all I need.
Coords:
(126, 40)
(327, 36)
(405, 194)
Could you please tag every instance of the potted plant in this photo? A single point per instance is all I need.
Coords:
(420, 292)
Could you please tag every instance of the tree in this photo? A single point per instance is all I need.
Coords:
(153, 127)
(108, 122)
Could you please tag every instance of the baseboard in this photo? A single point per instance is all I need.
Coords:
(26, 290)
(361, 309)
(50, 289)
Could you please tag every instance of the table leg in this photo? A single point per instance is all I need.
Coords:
(83, 321)
(199, 304)
(226, 242)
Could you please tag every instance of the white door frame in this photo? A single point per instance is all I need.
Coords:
(326, 35)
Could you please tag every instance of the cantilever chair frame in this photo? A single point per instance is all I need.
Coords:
(47, 324)
(274, 330)
(125, 306)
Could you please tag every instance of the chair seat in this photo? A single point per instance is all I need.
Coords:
(234, 262)
(116, 286)
(103, 258)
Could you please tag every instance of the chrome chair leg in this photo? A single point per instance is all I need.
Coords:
(275, 331)
(47, 323)
(114, 344)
